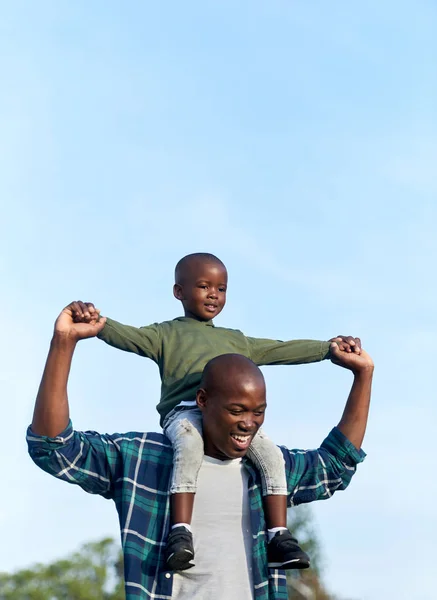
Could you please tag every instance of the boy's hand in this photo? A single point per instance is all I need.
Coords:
(67, 326)
(351, 360)
(347, 343)
(83, 312)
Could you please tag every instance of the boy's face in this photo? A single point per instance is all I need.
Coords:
(202, 289)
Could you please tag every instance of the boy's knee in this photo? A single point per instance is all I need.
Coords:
(188, 427)
(190, 434)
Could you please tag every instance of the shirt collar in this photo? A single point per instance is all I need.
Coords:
(191, 320)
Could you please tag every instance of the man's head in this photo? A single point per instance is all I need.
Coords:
(201, 281)
(232, 398)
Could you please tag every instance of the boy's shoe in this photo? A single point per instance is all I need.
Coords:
(179, 549)
(283, 552)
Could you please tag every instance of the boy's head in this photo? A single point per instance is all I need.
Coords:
(201, 281)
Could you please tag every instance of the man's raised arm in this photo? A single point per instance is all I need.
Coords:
(51, 414)
(353, 423)
(318, 474)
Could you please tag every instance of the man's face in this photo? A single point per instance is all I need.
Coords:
(232, 417)
(202, 290)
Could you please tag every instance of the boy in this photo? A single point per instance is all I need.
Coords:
(181, 348)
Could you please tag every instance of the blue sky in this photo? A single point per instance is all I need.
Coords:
(295, 140)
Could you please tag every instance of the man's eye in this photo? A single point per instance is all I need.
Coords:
(259, 413)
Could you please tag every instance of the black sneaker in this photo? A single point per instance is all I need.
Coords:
(179, 549)
(283, 552)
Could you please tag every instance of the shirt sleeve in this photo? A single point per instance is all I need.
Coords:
(317, 474)
(145, 341)
(294, 352)
(87, 459)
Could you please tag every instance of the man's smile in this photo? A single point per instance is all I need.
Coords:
(242, 440)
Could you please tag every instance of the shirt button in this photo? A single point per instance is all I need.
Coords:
(167, 575)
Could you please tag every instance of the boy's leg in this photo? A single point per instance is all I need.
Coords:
(181, 505)
(283, 549)
(275, 511)
(184, 429)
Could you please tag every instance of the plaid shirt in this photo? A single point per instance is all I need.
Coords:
(134, 470)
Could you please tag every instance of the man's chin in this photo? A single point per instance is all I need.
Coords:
(232, 453)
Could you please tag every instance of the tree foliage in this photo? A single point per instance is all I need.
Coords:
(306, 584)
(93, 573)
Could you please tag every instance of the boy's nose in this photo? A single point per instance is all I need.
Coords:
(212, 294)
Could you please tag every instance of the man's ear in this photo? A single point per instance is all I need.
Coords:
(177, 292)
(201, 398)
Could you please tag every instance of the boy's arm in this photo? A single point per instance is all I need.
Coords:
(295, 352)
(144, 341)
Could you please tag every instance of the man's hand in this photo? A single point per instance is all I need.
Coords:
(353, 361)
(78, 321)
(347, 343)
(51, 412)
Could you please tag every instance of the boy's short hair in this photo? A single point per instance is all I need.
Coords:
(196, 256)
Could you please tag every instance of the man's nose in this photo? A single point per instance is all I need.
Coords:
(248, 425)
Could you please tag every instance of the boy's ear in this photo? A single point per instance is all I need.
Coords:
(201, 398)
(177, 292)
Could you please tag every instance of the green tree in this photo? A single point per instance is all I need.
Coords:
(306, 584)
(93, 573)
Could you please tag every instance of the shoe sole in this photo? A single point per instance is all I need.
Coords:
(295, 563)
(180, 561)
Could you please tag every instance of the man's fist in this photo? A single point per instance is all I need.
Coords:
(351, 360)
(79, 320)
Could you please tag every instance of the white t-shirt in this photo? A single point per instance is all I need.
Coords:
(222, 536)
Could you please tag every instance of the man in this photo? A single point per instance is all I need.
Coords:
(134, 469)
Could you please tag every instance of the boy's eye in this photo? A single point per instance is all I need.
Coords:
(236, 412)
(222, 289)
(259, 413)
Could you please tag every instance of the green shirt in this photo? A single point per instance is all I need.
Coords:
(182, 347)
